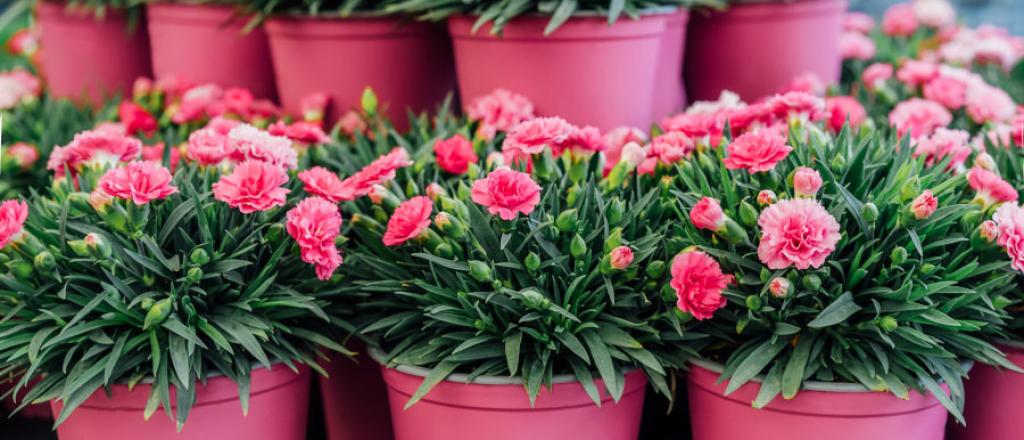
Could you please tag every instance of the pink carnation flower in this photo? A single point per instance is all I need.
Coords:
(1009, 220)
(919, 116)
(616, 139)
(138, 182)
(934, 13)
(949, 92)
(96, 147)
(13, 214)
(507, 193)
(314, 106)
(798, 106)
(251, 143)
(1017, 130)
(237, 101)
(915, 73)
(703, 129)
(991, 189)
(323, 183)
(582, 142)
(924, 205)
(621, 257)
(252, 186)
(410, 219)
(796, 232)
(533, 136)
(314, 224)
(24, 154)
(671, 147)
(875, 75)
(899, 20)
(989, 104)
(854, 45)
(758, 151)
(208, 147)
(806, 182)
(707, 214)
(222, 125)
(699, 281)
(944, 142)
(302, 133)
(136, 119)
(808, 82)
(841, 108)
(858, 22)
(500, 110)
(381, 170)
(455, 154)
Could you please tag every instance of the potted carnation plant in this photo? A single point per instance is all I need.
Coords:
(209, 42)
(339, 48)
(513, 302)
(844, 280)
(783, 39)
(92, 49)
(601, 63)
(129, 288)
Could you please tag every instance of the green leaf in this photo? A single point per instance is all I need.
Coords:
(837, 312)
(602, 360)
(794, 374)
(437, 374)
(754, 363)
(512, 347)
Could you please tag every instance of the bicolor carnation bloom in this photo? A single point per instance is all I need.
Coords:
(323, 183)
(314, 224)
(138, 182)
(507, 193)
(455, 154)
(755, 152)
(410, 219)
(806, 182)
(251, 143)
(699, 281)
(95, 148)
(1009, 220)
(380, 171)
(209, 147)
(252, 186)
(534, 136)
(991, 189)
(944, 143)
(615, 140)
(707, 214)
(621, 257)
(924, 205)
(766, 197)
(780, 287)
(796, 232)
(671, 147)
(13, 214)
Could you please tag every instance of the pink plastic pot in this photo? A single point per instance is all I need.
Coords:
(408, 65)
(205, 43)
(86, 58)
(586, 71)
(278, 409)
(757, 49)
(355, 399)
(498, 408)
(821, 410)
(670, 95)
(995, 400)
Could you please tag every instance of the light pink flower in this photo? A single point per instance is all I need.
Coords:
(796, 232)
(434, 191)
(633, 155)
(252, 186)
(533, 136)
(381, 170)
(13, 214)
(621, 257)
(699, 281)
(582, 142)
(942, 143)
(237, 101)
(24, 154)
(875, 75)
(507, 193)
(798, 106)
(410, 219)
(949, 92)
(671, 147)
(757, 151)
(99, 199)
(173, 87)
(616, 140)
(780, 287)
(806, 182)
(854, 45)
(989, 104)
(703, 129)
(323, 183)
(455, 154)
(96, 147)
(919, 116)
(924, 205)
(302, 133)
(138, 182)
(155, 154)
(352, 123)
(841, 108)
(899, 20)
(807, 82)
(707, 214)
(1009, 220)
(251, 143)
(915, 73)
(500, 110)
(934, 13)
(858, 22)
(766, 197)
(222, 125)
(208, 147)
(989, 229)
(314, 224)
(991, 189)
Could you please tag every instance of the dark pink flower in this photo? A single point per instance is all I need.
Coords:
(13, 214)
(699, 281)
(534, 136)
(991, 189)
(757, 151)
(314, 224)
(377, 172)
(671, 147)
(500, 110)
(507, 193)
(321, 182)
(407, 222)
(252, 186)
(138, 182)
(842, 107)
(455, 154)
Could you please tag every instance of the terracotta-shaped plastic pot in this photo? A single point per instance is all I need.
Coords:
(83, 57)
(355, 398)
(833, 411)
(755, 49)
(585, 71)
(498, 408)
(670, 95)
(995, 400)
(408, 65)
(205, 43)
(278, 409)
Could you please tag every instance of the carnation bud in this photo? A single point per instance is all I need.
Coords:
(927, 268)
(887, 323)
(275, 233)
(199, 257)
(838, 163)
(479, 270)
(780, 287)
(578, 247)
(44, 262)
(1001, 302)
(615, 209)
(21, 269)
(985, 161)
(369, 102)
(543, 165)
(444, 250)
(898, 255)
(473, 171)
(532, 261)
(157, 314)
(138, 216)
(78, 247)
(766, 197)
(80, 201)
(434, 191)
(869, 212)
(147, 303)
(450, 225)
(463, 191)
(754, 302)
(578, 170)
(567, 221)
(748, 214)
(984, 235)
(98, 246)
(811, 282)
(806, 182)
(765, 274)
(656, 269)
(572, 195)
(195, 274)
(99, 200)
(621, 257)
(669, 293)
(924, 205)
(533, 299)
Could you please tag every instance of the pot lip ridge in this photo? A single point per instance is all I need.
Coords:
(808, 385)
(380, 357)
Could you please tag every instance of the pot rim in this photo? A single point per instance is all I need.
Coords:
(808, 385)
(661, 10)
(1010, 343)
(381, 358)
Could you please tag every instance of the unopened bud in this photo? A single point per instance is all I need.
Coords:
(195, 274)
(567, 221)
(811, 282)
(898, 255)
(199, 257)
(578, 247)
(780, 287)
(869, 212)
(479, 270)
(532, 261)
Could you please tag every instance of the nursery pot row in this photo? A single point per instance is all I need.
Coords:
(586, 71)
